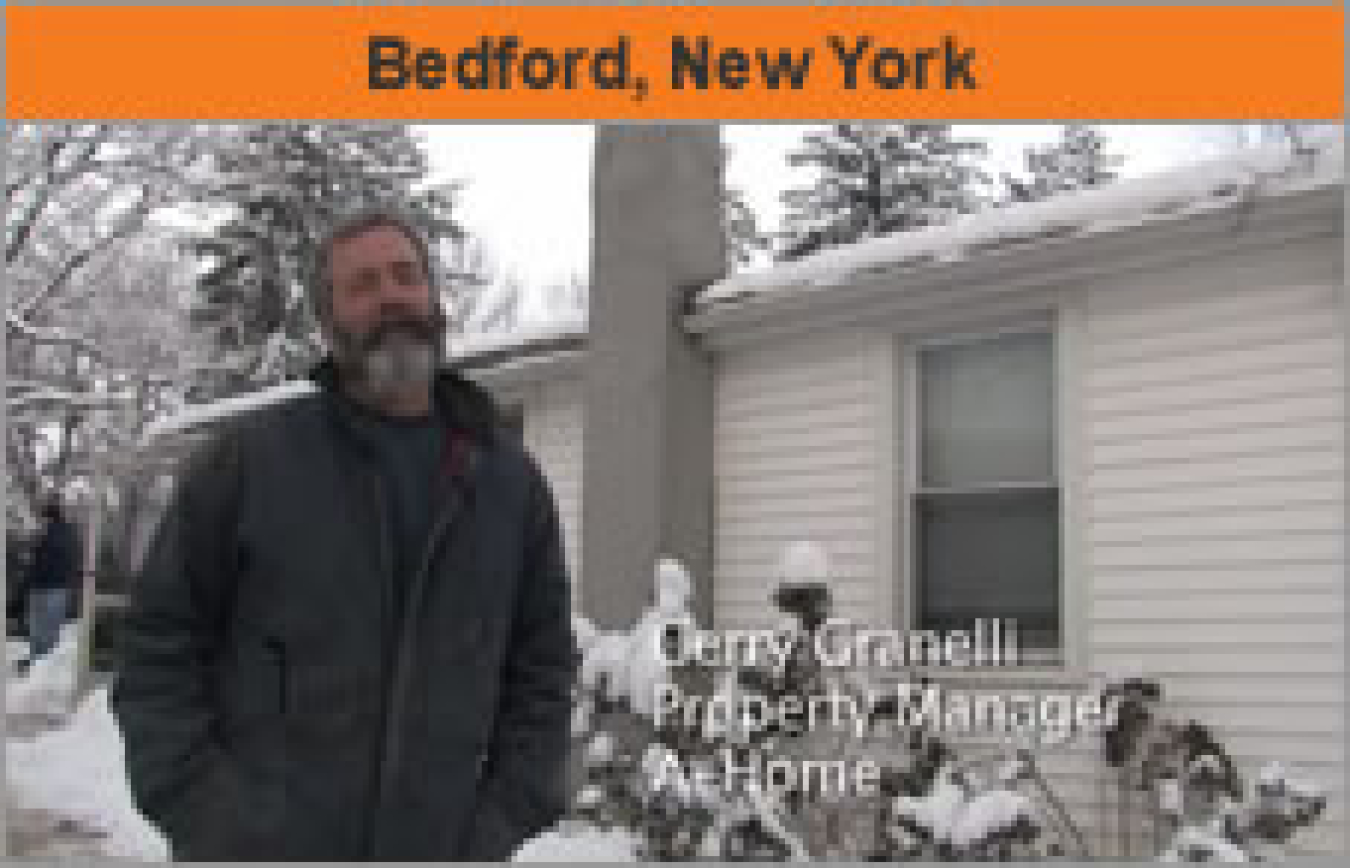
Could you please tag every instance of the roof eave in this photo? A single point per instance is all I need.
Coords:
(533, 365)
(1204, 228)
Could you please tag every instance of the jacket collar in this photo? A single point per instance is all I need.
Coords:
(455, 397)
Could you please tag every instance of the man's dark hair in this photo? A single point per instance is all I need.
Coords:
(51, 510)
(357, 223)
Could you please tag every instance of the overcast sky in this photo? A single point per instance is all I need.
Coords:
(528, 185)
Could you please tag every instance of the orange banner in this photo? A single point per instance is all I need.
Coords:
(668, 62)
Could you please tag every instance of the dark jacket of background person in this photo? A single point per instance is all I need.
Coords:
(270, 706)
(56, 559)
(18, 562)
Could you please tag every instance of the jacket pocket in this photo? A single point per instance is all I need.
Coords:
(281, 674)
(238, 810)
(490, 835)
(230, 815)
(255, 679)
(256, 702)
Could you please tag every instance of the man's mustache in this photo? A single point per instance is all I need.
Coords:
(425, 328)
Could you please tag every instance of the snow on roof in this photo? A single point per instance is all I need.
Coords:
(1227, 181)
(196, 415)
(474, 350)
(1256, 173)
(490, 348)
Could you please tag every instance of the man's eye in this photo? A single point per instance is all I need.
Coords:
(364, 285)
(407, 274)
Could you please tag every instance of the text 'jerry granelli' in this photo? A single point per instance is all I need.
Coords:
(695, 63)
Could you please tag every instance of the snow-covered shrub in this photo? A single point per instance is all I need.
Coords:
(625, 667)
(964, 814)
(647, 778)
(1210, 814)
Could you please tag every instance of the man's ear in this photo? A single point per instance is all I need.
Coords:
(325, 324)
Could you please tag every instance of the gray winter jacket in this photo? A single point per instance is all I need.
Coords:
(271, 707)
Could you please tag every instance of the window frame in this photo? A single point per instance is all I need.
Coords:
(1058, 323)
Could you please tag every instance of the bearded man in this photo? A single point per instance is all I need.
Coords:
(351, 636)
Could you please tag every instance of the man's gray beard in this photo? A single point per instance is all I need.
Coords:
(399, 363)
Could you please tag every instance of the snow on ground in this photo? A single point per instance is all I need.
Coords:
(46, 688)
(15, 650)
(71, 767)
(69, 778)
(76, 771)
(580, 843)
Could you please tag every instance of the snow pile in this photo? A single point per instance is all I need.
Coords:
(969, 818)
(604, 663)
(76, 772)
(991, 813)
(48, 687)
(804, 562)
(627, 666)
(647, 668)
(585, 632)
(933, 815)
(580, 843)
(1205, 842)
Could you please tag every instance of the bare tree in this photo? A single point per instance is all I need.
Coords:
(76, 195)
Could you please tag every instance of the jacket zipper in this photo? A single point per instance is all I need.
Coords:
(390, 739)
(386, 560)
(387, 577)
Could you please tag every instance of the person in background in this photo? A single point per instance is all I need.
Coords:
(52, 579)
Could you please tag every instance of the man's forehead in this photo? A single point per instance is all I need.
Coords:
(375, 245)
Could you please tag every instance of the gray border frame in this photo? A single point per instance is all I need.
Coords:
(4, 124)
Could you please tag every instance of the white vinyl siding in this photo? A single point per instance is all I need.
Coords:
(797, 447)
(553, 434)
(1214, 514)
(1204, 412)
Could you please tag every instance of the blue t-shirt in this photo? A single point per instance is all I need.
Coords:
(409, 452)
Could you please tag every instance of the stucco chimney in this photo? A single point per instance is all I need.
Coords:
(647, 484)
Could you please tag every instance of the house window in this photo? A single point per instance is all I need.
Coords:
(985, 498)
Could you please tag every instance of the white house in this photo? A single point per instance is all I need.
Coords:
(1127, 404)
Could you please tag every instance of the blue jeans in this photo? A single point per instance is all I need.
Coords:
(47, 609)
